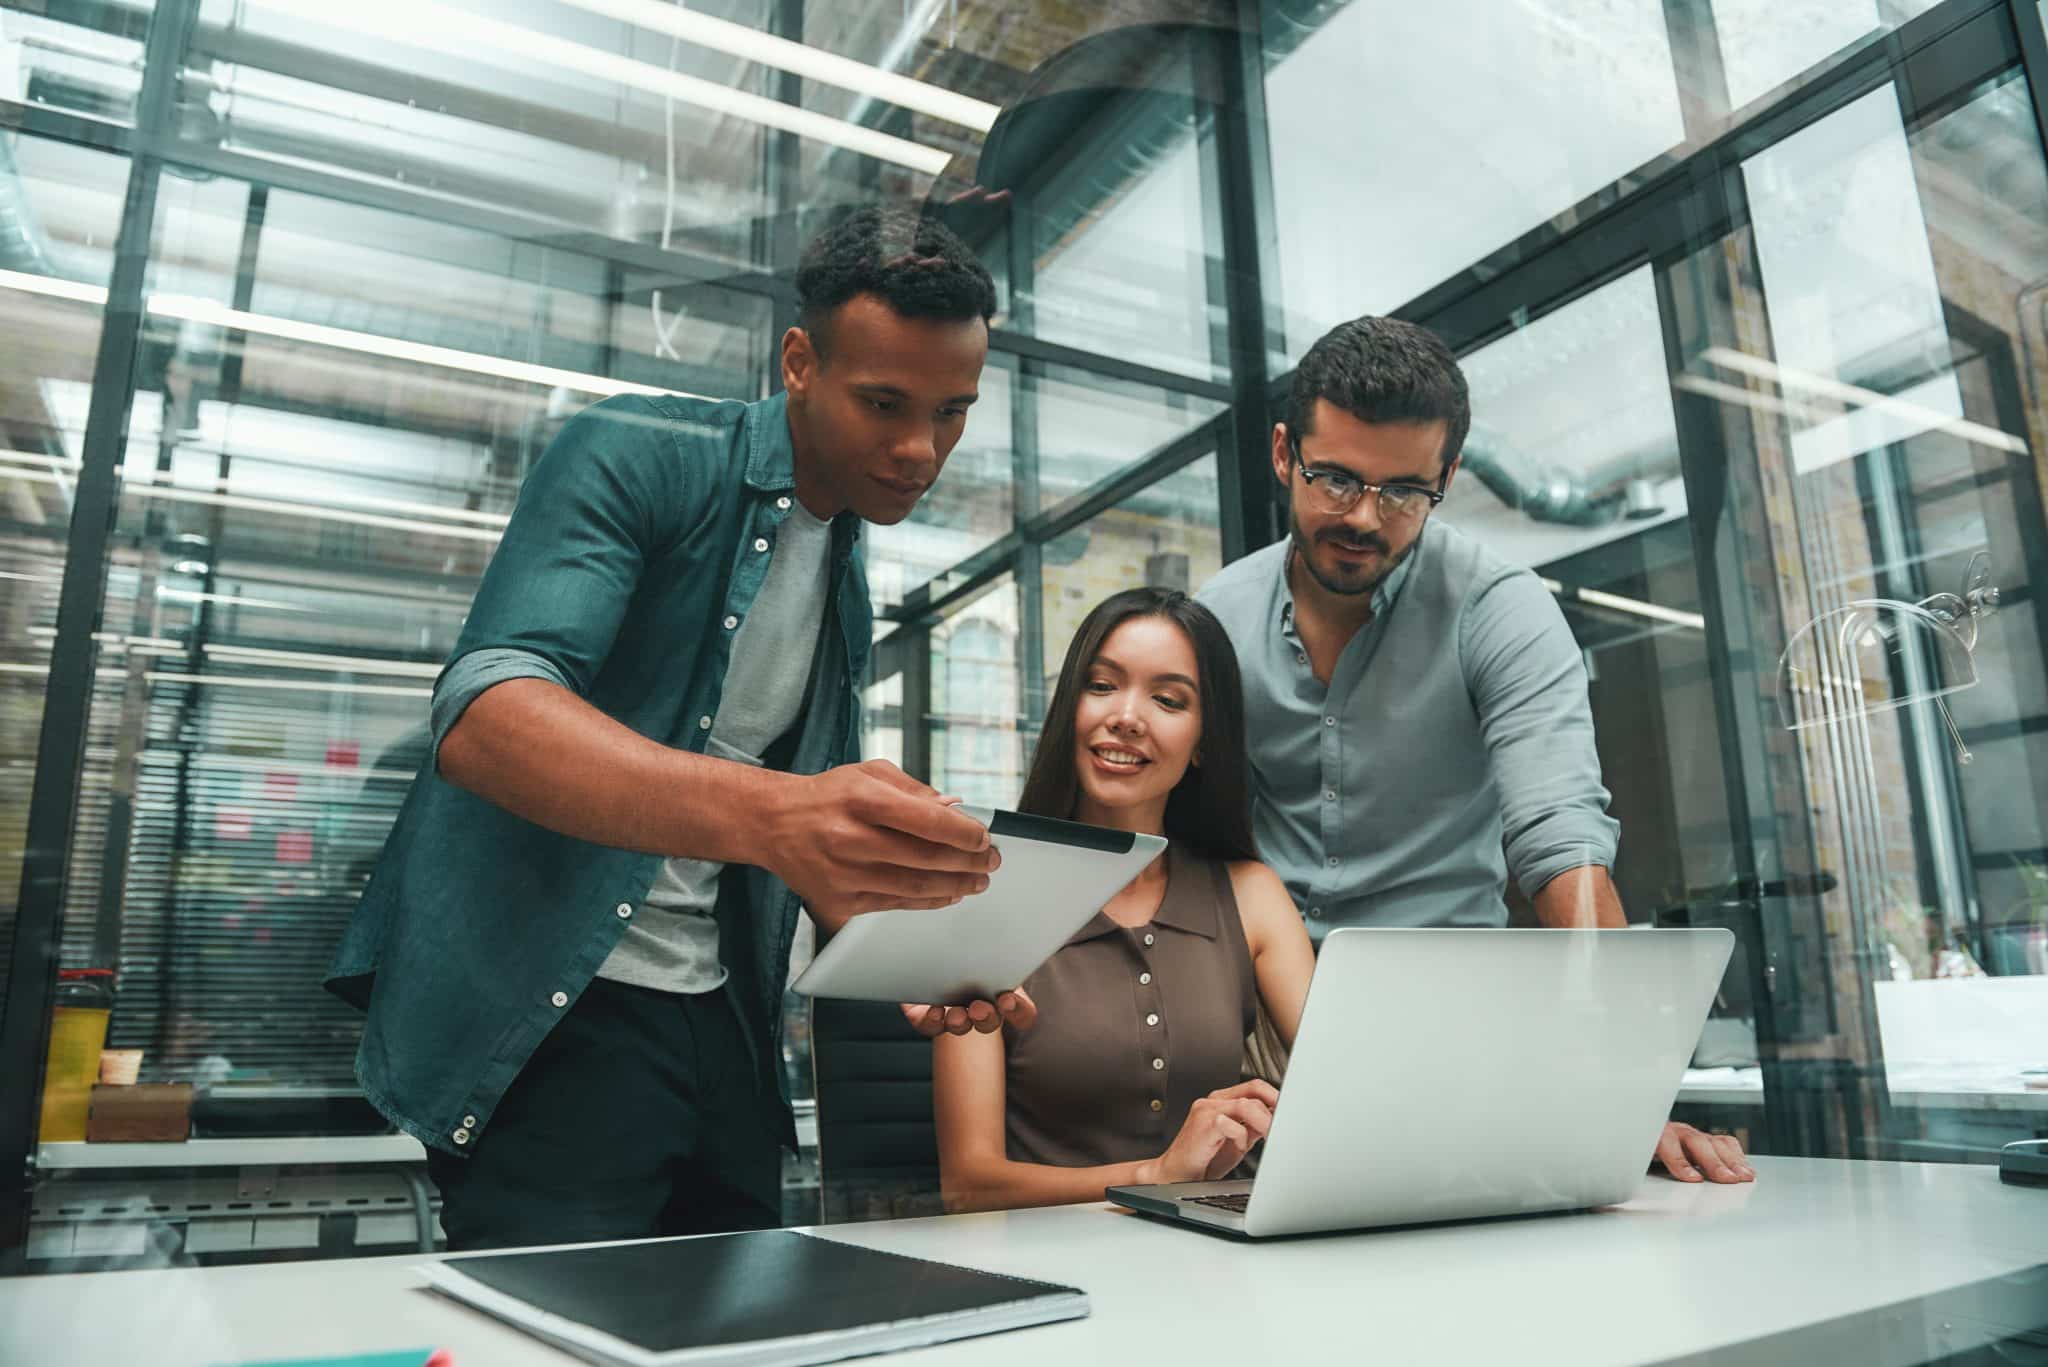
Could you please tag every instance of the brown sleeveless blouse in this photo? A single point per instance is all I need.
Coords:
(1135, 1025)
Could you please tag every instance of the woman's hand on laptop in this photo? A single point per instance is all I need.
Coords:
(1013, 1008)
(1693, 1155)
(1220, 1130)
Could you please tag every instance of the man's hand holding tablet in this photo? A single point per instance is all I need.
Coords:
(863, 837)
(1014, 1007)
(957, 968)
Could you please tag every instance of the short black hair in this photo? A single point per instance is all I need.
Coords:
(915, 265)
(1383, 370)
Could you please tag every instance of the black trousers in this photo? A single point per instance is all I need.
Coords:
(641, 1114)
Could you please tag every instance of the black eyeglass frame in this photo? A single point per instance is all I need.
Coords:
(1435, 496)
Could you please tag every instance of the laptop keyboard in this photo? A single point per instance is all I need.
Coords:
(1235, 1203)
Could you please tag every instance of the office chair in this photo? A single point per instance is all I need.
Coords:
(878, 1148)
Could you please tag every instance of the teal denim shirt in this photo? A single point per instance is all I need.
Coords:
(647, 525)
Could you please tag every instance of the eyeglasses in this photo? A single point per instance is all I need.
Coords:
(1337, 492)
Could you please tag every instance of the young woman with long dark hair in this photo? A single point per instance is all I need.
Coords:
(1133, 1072)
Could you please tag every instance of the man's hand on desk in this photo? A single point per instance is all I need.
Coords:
(1693, 1155)
(1013, 1008)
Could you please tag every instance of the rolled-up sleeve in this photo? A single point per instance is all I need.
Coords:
(610, 491)
(1528, 684)
(463, 682)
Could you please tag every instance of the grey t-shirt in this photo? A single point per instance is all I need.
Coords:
(672, 942)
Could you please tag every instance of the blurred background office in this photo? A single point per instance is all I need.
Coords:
(1753, 298)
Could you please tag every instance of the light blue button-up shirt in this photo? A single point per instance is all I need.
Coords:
(1453, 745)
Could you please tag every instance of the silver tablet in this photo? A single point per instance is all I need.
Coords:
(1055, 875)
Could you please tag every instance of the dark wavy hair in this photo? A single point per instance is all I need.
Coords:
(1383, 370)
(1209, 810)
(915, 265)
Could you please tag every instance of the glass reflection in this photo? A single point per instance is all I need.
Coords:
(1874, 655)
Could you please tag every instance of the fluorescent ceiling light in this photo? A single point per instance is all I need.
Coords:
(189, 308)
(1636, 606)
(289, 685)
(114, 642)
(54, 287)
(145, 489)
(103, 672)
(197, 310)
(461, 33)
(190, 596)
(1856, 396)
(351, 500)
(798, 58)
(271, 765)
(145, 484)
(306, 659)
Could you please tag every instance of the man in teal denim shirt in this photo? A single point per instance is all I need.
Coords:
(576, 1074)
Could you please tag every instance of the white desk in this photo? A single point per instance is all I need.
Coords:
(338, 1150)
(311, 1150)
(1679, 1270)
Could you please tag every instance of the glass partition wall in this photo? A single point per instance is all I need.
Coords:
(1757, 333)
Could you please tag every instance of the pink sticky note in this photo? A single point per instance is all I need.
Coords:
(294, 847)
(280, 787)
(234, 823)
(344, 754)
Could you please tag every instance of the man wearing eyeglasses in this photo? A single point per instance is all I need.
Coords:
(1415, 704)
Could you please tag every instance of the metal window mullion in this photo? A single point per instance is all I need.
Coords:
(781, 242)
(1243, 179)
(2030, 23)
(972, 574)
(60, 750)
(1697, 64)
(1029, 567)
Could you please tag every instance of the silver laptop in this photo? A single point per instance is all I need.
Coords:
(1460, 1074)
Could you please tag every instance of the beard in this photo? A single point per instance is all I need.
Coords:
(1351, 585)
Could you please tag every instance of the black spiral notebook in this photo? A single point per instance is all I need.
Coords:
(774, 1297)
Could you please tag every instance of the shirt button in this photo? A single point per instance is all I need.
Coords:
(1329, 721)
(625, 910)
(1301, 658)
(1329, 794)
(1315, 911)
(1144, 978)
(1152, 1019)
(783, 503)
(1157, 1104)
(1333, 861)
(461, 1136)
(760, 543)
(1158, 1064)
(703, 723)
(468, 1121)
(560, 999)
(731, 622)
(1148, 937)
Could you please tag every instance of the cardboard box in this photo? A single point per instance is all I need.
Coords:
(148, 1113)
